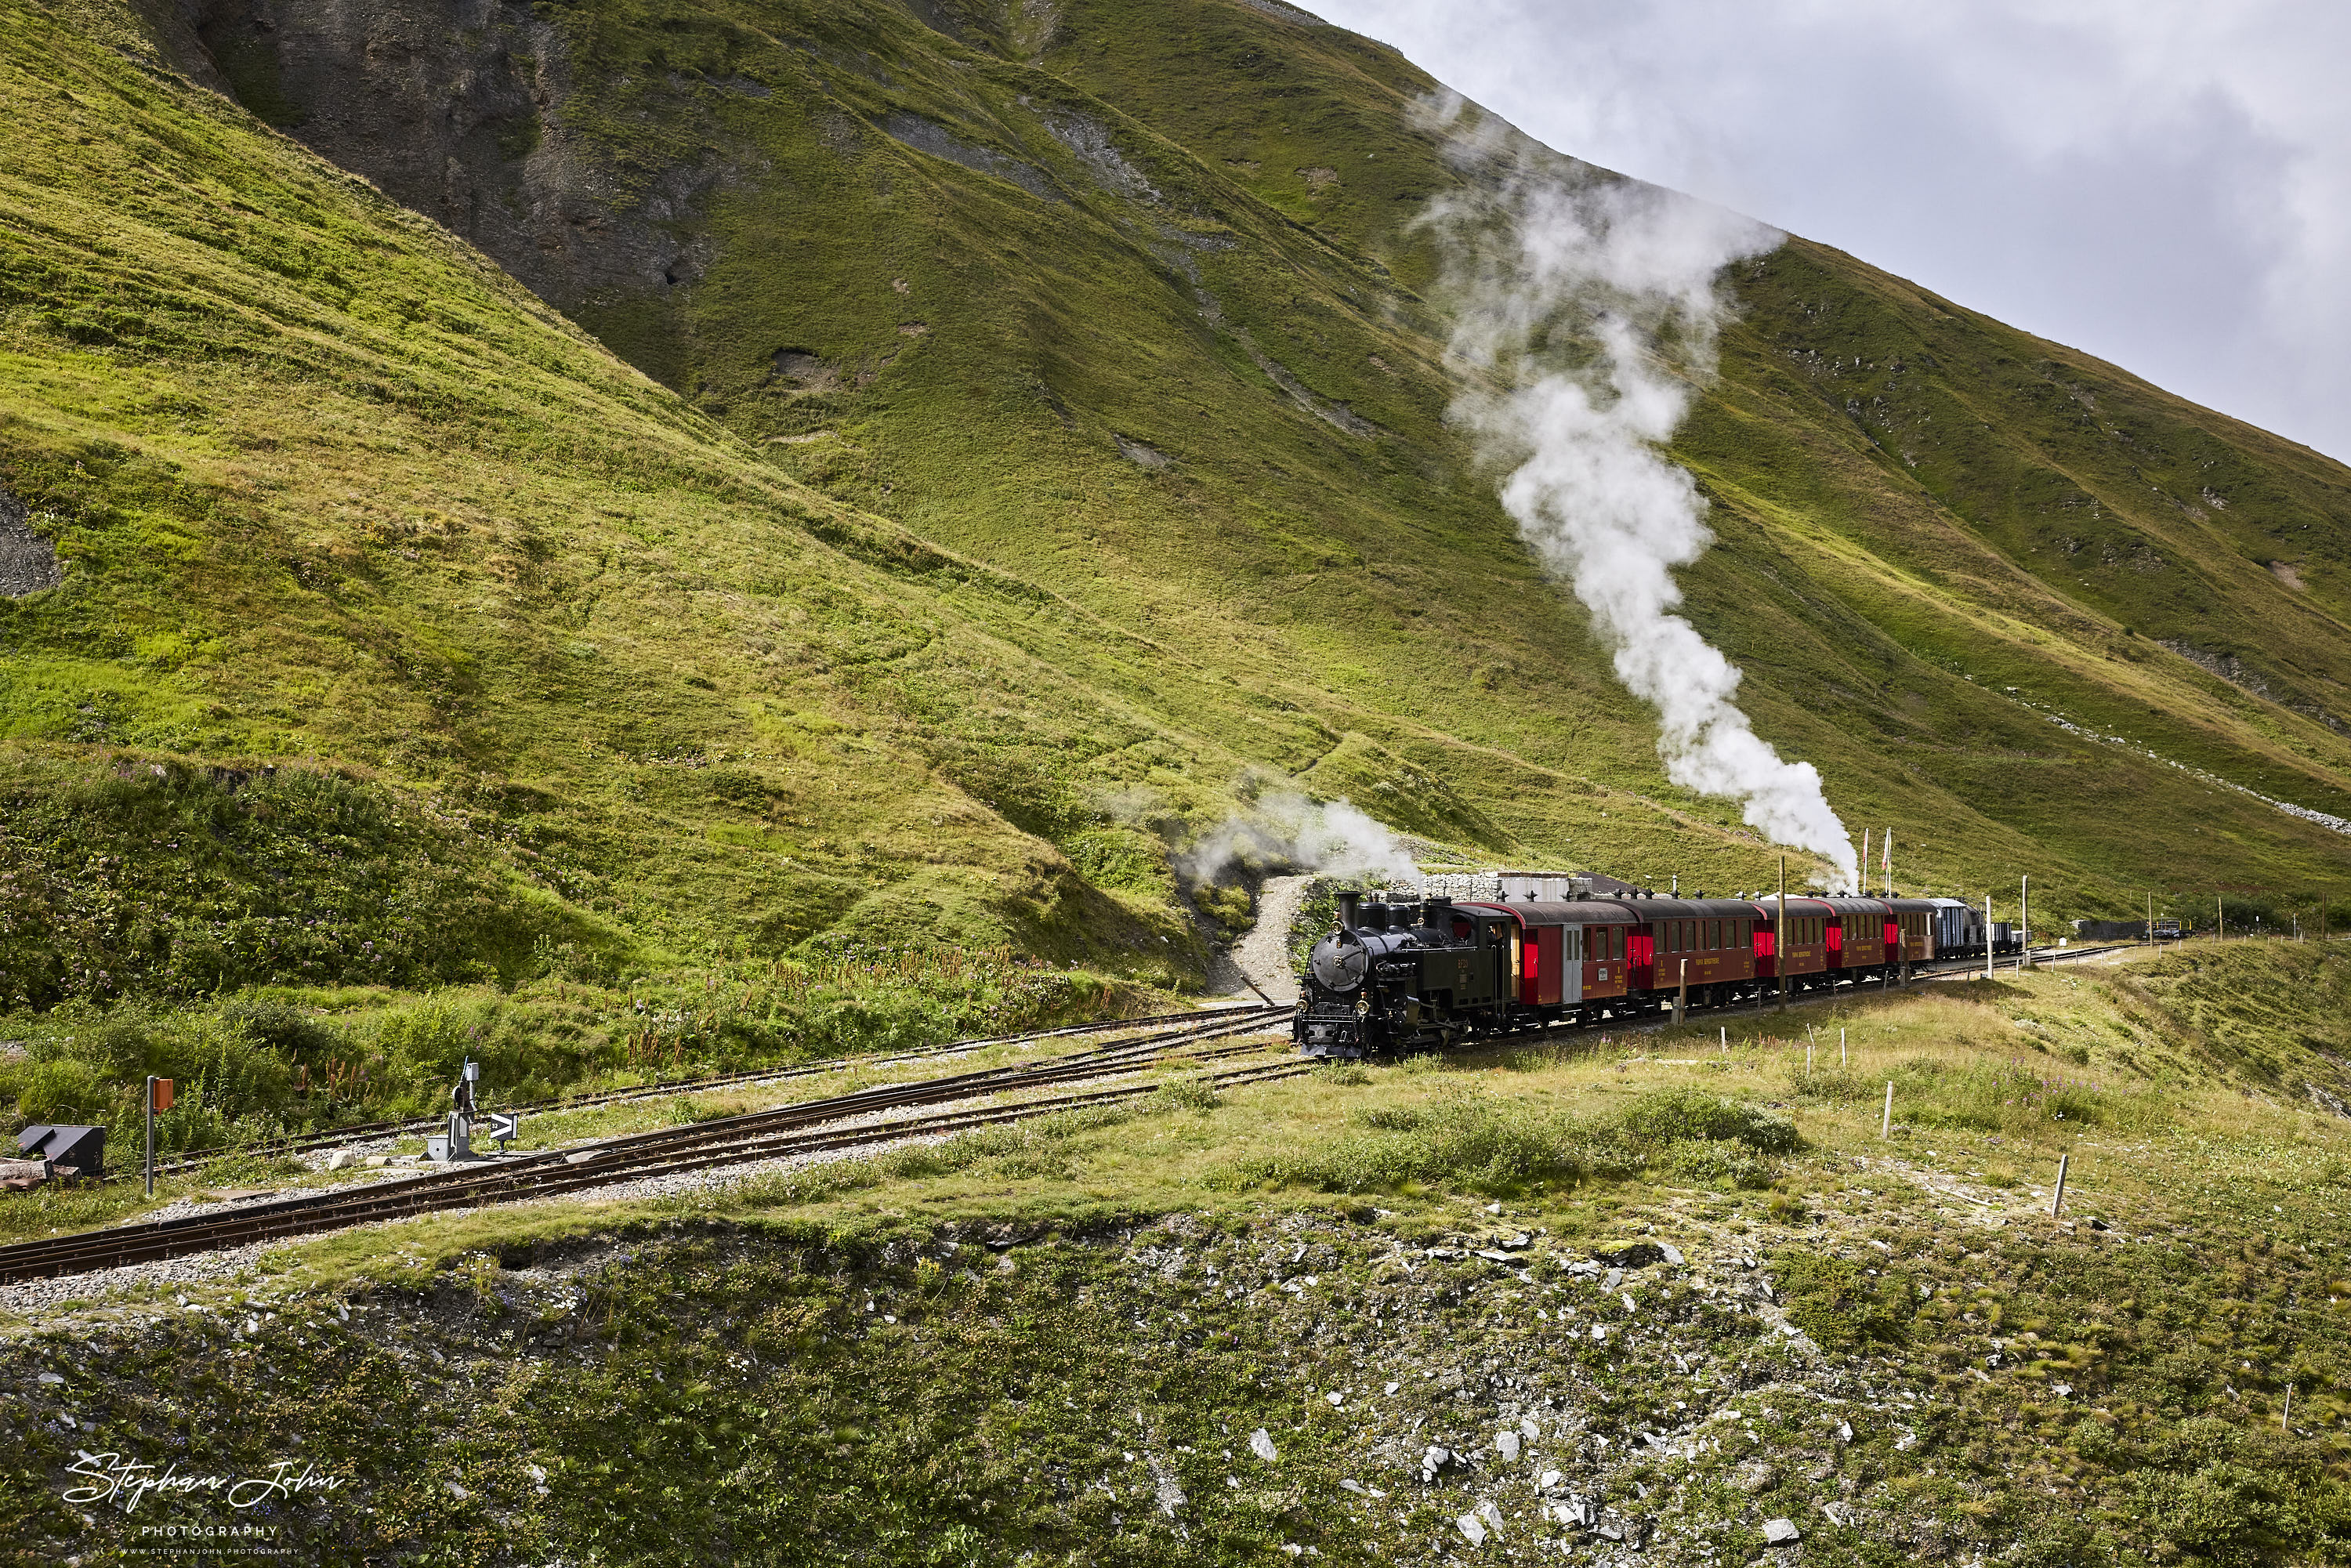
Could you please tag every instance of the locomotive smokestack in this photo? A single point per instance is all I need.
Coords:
(1347, 903)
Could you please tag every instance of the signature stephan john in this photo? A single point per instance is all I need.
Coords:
(119, 1478)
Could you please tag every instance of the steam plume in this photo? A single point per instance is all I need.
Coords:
(1288, 829)
(1586, 314)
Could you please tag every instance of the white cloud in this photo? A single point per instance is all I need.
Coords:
(2165, 184)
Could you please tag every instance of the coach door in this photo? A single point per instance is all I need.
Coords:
(1552, 970)
(1564, 984)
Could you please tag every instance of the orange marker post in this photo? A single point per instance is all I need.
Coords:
(159, 1098)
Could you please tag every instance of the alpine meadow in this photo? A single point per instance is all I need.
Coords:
(637, 540)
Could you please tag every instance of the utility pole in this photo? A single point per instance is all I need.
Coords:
(2220, 919)
(1988, 936)
(1780, 936)
(1864, 862)
(2150, 919)
(2024, 922)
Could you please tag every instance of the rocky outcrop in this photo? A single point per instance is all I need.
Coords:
(27, 562)
(464, 111)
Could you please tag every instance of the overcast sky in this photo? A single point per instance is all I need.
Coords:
(2165, 184)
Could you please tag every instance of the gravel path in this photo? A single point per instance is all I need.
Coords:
(1263, 955)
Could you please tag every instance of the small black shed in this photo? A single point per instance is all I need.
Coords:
(80, 1150)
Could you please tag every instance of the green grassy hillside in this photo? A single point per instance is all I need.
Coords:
(948, 459)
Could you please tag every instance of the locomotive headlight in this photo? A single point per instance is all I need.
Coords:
(1339, 961)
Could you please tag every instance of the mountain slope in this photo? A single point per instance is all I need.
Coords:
(1044, 444)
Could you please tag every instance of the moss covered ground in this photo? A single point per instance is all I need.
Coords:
(1654, 1290)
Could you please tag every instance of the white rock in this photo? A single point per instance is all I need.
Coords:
(1472, 1528)
(1599, 1331)
(340, 1160)
(460, 1493)
(1508, 1443)
(1673, 1253)
(1335, 1398)
(1549, 1480)
(1390, 1388)
(1491, 1515)
(49, 1377)
(1781, 1533)
(1262, 1445)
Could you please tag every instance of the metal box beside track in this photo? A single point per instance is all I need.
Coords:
(79, 1152)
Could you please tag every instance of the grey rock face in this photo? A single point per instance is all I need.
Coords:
(27, 563)
(457, 108)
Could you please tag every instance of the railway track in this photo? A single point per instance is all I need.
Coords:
(808, 1127)
(366, 1131)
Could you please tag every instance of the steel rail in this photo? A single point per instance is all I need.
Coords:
(758, 1136)
(362, 1132)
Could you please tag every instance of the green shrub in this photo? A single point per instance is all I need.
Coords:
(1725, 1164)
(1464, 1139)
(1832, 1086)
(1672, 1116)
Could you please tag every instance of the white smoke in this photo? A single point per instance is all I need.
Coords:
(1287, 829)
(1585, 316)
